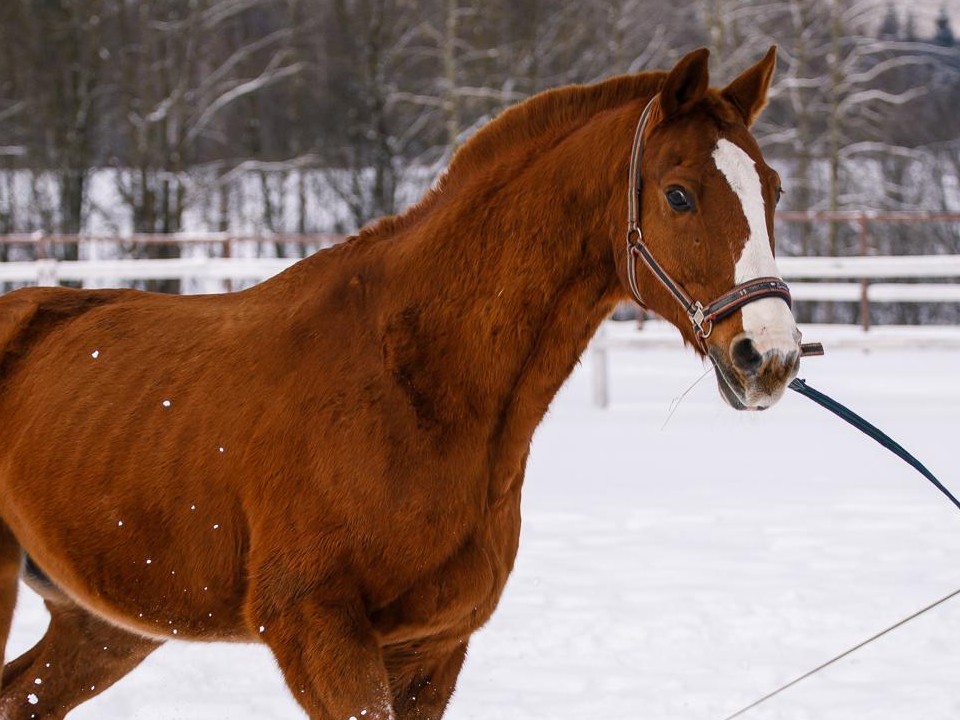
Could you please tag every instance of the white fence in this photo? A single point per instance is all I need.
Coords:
(105, 273)
(208, 262)
(869, 269)
(873, 275)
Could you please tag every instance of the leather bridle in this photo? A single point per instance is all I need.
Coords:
(701, 317)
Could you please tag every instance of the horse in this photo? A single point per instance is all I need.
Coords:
(330, 462)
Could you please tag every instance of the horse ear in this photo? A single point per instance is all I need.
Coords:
(685, 84)
(748, 93)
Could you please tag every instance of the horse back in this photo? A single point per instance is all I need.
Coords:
(32, 313)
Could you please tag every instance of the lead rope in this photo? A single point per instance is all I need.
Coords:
(874, 432)
(842, 655)
(870, 430)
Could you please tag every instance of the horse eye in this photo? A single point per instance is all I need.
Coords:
(780, 192)
(678, 199)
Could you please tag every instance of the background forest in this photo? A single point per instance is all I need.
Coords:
(303, 116)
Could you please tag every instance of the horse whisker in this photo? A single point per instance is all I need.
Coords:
(675, 403)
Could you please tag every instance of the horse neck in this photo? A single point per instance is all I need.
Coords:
(500, 284)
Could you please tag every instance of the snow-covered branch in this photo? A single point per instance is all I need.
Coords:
(274, 73)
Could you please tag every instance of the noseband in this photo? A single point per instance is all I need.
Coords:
(701, 317)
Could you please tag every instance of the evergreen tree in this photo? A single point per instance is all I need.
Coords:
(890, 26)
(910, 29)
(944, 35)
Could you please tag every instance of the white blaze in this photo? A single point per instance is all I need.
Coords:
(768, 322)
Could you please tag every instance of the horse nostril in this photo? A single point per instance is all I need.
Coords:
(745, 355)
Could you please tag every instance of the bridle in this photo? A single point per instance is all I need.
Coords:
(701, 317)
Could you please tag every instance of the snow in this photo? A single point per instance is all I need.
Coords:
(683, 571)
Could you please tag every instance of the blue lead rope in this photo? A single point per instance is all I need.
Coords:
(867, 428)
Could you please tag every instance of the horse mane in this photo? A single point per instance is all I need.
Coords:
(561, 110)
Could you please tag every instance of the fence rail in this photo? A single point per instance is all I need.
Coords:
(44, 241)
(862, 271)
(215, 260)
(50, 272)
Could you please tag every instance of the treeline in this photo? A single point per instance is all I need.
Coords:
(319, 115)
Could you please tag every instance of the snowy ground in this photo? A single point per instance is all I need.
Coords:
(684, 571)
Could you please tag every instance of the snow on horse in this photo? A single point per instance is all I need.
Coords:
(331, 462)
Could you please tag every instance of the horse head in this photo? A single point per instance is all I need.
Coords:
(700, 236)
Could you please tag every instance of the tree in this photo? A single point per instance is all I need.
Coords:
(54, 67)
(890, 25)
(944, 35)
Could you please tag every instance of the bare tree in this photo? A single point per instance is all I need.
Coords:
(53, 69)
(363, 50)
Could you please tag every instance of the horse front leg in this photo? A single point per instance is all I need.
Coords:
(423, 679)
(330, 660)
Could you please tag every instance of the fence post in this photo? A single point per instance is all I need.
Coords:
(601, 393)
(226, 253)
(47, 275)
(864, 283)
(94, 256)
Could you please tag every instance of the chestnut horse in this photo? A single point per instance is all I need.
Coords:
(331, 462)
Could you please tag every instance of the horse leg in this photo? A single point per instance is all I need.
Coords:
(330, 660)
(9, 582)
(423, 682)
(79, 657)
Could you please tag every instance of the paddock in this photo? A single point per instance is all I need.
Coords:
(690, 590)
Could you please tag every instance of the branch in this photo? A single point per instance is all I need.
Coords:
(866, 96)
(883, 67)
(268, 77)
(417, 99)
(236, 57)
(298, 163)
(15, 109)
(488, 93)
(860, 148)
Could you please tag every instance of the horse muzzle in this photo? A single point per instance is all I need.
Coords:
(752, 373)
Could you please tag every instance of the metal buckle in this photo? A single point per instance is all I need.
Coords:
(697, 319)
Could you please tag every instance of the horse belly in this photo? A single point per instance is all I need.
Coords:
(140, 579)
(126, 525)
(125, 535)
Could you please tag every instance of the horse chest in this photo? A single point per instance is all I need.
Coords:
(462, 592)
